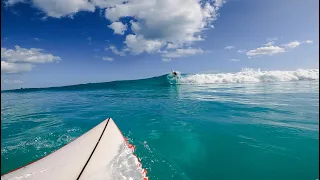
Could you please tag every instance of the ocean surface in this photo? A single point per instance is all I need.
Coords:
(249, 125)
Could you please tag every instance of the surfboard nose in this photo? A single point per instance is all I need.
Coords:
(91, 156)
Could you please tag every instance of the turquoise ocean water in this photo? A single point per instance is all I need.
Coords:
(250, 125)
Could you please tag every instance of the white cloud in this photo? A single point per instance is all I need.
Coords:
(235, 60)
(241, 50)
(115, 50)
(160, 22)
(21, 59)
(267, 50)
(172, 46)
(219, 3)
(61, 8)
(270, 49)
(177, 21)
(36, 39)
(308, 41)
(182, 53)
(107, 58)
(106, 3)
(118, 27)
(10, 68)
(58, 8)
(229, 47)
(292, 44)
(23, 55)
(154, 23)
(137, 44)
(11, 81)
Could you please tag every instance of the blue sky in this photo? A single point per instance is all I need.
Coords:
(56, 42)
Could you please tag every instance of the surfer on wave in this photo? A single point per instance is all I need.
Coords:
(174, 73)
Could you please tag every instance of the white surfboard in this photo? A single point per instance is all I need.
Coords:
(101, 153)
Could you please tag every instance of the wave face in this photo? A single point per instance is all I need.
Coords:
(142, 83)
(244, 76)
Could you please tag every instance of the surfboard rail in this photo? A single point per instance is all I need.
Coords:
(98, 154)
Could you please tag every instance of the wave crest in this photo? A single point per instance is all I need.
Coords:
(248, 76)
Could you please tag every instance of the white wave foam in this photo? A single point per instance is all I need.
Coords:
(123, 166)
(250, 75)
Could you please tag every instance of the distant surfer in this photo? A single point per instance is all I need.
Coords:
(174, 73)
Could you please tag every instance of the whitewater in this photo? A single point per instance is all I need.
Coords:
(248, 76)
(250, 124)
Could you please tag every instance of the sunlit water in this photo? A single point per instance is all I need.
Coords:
(247, 131)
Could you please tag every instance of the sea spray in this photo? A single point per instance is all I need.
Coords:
(249, 76)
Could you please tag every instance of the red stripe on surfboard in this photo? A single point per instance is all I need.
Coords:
(144, 171)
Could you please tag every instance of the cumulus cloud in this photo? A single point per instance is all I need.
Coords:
(58, 8)
(160, 22)
(106, 3)
(137, 44)
(61, 8)
(115, 50)
(267, 50)
(23, 55)
(181, 53)
(292, 44)
(165, 18)
(172, 46)
(154, 24)
(21, 59)
(10, 68)
(229, 47)
(107, 58)
(118, 27)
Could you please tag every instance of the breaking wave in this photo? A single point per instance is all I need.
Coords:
(247, 76)
(244, 76)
